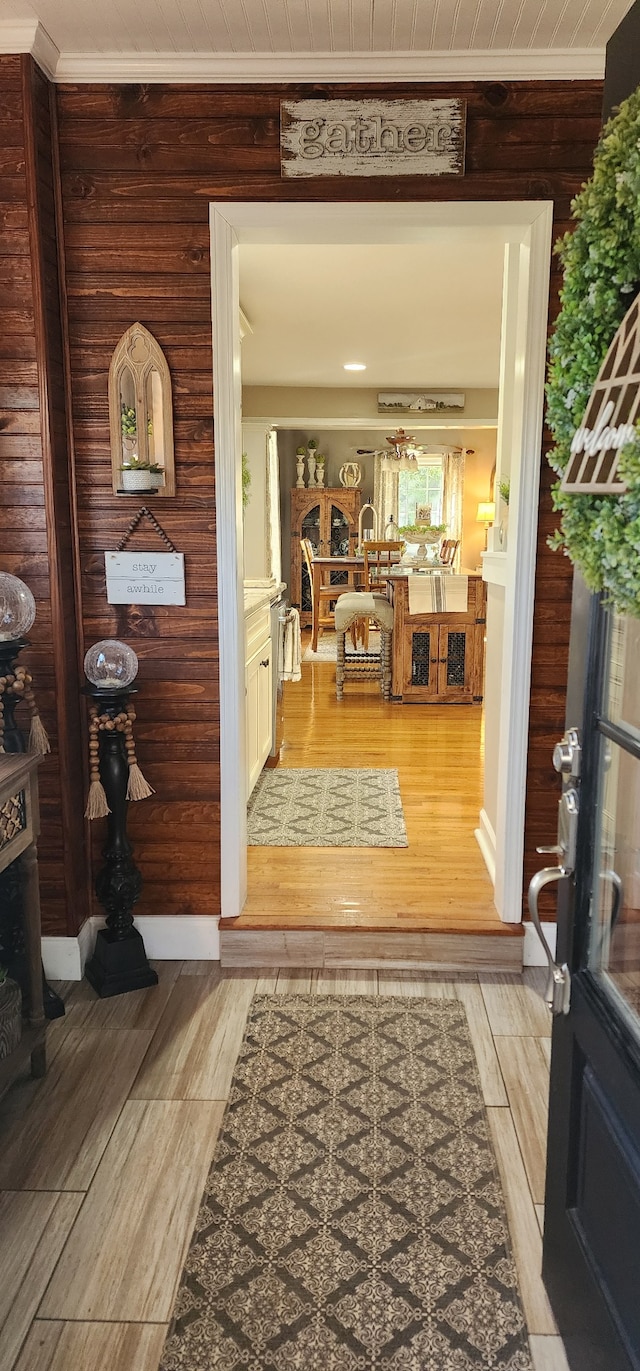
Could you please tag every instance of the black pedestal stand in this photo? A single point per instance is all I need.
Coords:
(119, 962)
(14, 954)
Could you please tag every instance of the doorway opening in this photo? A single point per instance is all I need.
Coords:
(524, 231)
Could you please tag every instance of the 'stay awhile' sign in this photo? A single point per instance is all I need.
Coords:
(145, 578)
(372, 137)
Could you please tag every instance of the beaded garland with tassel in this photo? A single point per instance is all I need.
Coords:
(19, 683)
(137, 787)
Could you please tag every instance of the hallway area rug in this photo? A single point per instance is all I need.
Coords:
(353, 1218)
(327, 649)
(326, 807)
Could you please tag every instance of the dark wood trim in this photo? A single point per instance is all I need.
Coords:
(71, 466)
(60, 531)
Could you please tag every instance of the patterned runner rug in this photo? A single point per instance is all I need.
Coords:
(326, 807)
(353, 1218)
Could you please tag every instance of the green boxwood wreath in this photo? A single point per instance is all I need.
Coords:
(601, 259)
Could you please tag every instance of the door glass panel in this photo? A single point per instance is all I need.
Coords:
(456, 649)
(622, 697)
(614, 953)
(311, 529)
(420, 659)
(339, 533)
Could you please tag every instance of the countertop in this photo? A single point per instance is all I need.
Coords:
(257, 594)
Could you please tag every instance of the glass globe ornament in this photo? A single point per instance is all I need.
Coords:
(111, 664)
(17, 608)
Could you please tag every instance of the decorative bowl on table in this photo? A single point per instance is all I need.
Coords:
(422, 536)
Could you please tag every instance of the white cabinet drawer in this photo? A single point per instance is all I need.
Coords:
(258, 681)
(257, 628)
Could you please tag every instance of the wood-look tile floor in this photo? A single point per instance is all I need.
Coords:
(104, 1161)
(440, 880)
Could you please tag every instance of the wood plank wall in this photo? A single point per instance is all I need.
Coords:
(140, 252)
(139, 166)
(36, 527)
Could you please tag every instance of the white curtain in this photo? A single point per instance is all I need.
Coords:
(385, 495)
(453, 495)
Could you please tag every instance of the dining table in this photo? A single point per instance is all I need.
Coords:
(353, 565)
(453, 670)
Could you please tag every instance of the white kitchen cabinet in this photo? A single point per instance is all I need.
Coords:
(259, 669)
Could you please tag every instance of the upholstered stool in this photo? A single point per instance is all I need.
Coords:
(364, 665)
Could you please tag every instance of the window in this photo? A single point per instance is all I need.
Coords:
(424, 486)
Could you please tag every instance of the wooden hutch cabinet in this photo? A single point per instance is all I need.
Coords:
(329, 519)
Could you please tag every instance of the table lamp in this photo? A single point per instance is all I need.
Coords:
(486, 515)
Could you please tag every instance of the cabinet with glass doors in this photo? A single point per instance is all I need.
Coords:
(329, 519)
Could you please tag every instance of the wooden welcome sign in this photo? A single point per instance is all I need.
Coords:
(372, 137)
(610, 417)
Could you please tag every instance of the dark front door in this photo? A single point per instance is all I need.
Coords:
(591, 1261)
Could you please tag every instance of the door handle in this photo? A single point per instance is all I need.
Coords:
(558, 994)
(265, 662)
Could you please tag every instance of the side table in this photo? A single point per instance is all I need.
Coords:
(19, 829)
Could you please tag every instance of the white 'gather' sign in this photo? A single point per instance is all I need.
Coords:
(145, 578)
(372, 137)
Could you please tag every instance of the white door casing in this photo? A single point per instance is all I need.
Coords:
(527, 226)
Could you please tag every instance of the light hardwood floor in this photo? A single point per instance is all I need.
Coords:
(104, 1161)
(439, 881)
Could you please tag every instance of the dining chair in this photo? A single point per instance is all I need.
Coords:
(323, 595)
(449, 550)
(378, 558)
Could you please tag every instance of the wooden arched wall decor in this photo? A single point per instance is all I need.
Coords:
(141, 416)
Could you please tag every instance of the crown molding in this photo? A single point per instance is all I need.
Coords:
(277, 67)
(525, 64)
(30, 37)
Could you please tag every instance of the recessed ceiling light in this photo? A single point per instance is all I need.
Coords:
(354, 366)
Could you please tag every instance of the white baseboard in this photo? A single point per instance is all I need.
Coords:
(64, 959)
(533, 951)
(167, 938)
(486, 840)
(176, 937)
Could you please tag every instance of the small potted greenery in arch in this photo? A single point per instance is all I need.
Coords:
(137, 475)
(156, 473)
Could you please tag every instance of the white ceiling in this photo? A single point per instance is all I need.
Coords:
(420, 314)
(507, 37)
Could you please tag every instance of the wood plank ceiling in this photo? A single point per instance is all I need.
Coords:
(322, 26)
